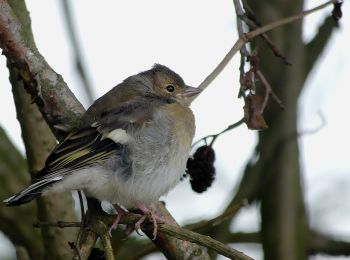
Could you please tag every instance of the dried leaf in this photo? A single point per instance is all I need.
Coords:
(252, 113)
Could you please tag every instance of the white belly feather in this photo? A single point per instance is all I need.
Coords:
(158, 162)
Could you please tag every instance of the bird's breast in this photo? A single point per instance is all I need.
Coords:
(159, 153)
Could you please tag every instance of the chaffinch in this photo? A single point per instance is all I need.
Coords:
(131, 147)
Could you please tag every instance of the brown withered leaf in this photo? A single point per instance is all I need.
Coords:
(246, 82)
(252, 113)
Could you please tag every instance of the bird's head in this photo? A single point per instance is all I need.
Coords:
(162, 82)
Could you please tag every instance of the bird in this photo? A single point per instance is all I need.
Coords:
(130, 148)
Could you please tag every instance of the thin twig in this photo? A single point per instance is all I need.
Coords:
(78, 57)
(239, 13)
(315, 129)
(252, 26)
(287, 20)
(230, 127)
(206, 241)
(269, 91)
(174, 231)
(59, 224)
(249, 36)
(230, 212)
(244, 50)
(215, 136)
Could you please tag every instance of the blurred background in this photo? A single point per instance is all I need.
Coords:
(121, 38)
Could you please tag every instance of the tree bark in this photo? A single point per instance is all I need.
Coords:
(284, 227)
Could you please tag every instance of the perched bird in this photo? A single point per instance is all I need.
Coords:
(131, 147)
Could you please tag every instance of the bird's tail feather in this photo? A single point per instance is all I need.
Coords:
(29, 193)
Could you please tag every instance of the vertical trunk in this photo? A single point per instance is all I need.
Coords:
(39, 141)
(284, 224)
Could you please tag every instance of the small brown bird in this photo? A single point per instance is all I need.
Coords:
(131, 148)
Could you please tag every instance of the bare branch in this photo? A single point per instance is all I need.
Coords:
(78, 57)
(315, 47)
(204, 241)
(107, 246)
(250, 35)
(268, 91)
(171, 230)
(321, 243)
(56, 102)
(215, 136)
(228, 213)
(14, 175)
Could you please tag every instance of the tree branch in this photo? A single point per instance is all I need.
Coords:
(204, 241)
(229, 213)
(252, 34)
(175, 233)
(170, 246)
(39, 141)
(325, 244)
(78, 57)
(14, 175)
(56, 102)
(316, 46)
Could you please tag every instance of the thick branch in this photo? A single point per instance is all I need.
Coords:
(174, 247)
(175, 232)
(325, 244)
(13, 176)
(316, 46)
(241, 237)
(39, 141)
(56, 102)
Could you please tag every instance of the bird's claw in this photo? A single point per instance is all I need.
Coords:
(146, 212)
(120, 212)
(138, 225)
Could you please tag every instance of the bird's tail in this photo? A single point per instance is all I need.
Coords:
(31, 192)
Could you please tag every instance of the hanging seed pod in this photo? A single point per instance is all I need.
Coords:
(97, 254)
(201, 168)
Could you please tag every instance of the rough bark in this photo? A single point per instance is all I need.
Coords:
(39, 141)
(284, 224)
(13, 176)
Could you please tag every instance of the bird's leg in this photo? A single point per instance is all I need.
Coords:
(120, 212)
(145, 212)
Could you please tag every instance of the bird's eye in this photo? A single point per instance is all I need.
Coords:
(170, 88)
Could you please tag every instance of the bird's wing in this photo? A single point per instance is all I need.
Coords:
(96, 142)
(80, 149)
(102, 134)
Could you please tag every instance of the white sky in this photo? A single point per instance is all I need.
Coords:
(121, 38)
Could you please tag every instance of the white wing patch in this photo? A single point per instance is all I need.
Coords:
(119, 136)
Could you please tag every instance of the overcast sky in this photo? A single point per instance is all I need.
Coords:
(121, 38)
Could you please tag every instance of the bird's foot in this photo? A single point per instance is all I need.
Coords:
(120, 213)
(154, 218)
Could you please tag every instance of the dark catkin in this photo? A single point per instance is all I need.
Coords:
(97, 254)
(201, 168)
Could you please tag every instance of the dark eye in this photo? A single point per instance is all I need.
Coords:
(170, 88)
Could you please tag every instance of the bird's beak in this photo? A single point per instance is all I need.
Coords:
(190, 92)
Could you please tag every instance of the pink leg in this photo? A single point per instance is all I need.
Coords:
(120, 212)
(145, 212)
